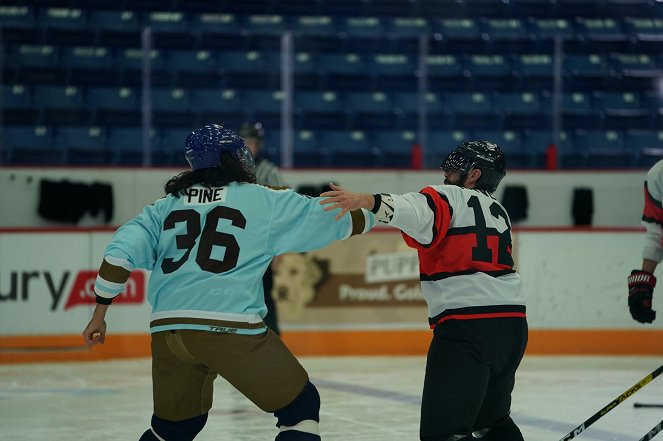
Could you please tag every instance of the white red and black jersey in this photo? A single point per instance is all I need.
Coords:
(652, 216)
(463, 238)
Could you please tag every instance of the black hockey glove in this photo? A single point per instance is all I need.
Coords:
(640, 292)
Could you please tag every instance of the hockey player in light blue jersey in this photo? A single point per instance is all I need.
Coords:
(208, 243)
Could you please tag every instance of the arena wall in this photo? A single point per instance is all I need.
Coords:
(363, 297)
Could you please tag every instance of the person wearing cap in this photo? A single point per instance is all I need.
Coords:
(266, 174)
(207, 243)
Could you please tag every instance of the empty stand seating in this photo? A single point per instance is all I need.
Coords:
(72, 79)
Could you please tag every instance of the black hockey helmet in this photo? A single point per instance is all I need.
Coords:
(484, 155)
(252, 130)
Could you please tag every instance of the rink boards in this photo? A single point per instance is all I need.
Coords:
(357, 297)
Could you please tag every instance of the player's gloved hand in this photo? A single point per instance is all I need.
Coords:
(640, 292)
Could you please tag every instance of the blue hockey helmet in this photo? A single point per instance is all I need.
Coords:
(204, 146)
(484, 155)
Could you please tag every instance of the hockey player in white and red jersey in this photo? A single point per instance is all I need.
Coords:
(641, 282)
(208, 243)
(476, 303)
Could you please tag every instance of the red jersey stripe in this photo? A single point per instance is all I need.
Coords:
(487, 315)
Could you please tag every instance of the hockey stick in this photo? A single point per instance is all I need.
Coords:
(652, 433)
(647, 405)
(614, 403)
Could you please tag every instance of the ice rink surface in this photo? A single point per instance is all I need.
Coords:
(363, 399)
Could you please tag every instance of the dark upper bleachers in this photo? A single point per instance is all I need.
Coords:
(75, 72)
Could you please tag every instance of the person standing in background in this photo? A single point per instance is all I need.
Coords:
(207, 242)
(476, 301)
(266, 174)
(641, 282)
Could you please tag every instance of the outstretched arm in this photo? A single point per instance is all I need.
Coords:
(346, 200)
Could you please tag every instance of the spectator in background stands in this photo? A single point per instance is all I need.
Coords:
(641, 282)
(266, 174)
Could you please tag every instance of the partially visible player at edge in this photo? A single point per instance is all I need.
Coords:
(208, 243)
(476, 303)
(641, 282)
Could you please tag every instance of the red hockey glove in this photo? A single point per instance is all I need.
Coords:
(640, 292)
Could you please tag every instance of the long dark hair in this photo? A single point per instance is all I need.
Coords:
(229, 170)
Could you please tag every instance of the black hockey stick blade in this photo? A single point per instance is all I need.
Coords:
(614, 403)
(652, 433)
(647, 404)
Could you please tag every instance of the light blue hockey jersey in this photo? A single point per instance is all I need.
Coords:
(209, 249)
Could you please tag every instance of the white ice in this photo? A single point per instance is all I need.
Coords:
(363, 399)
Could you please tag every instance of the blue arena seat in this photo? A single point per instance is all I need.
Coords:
(468, 103)
(577, 104)
(444, 66)
(216, 23)
(33, 56)
(314, 25)
(115, 20)
(361, 26)
(121, 99)
(216, 101)
(166, 21)
(504, 28)
(113, 105)
(30, 145)
(605, 101)
(395, 147)
(377, 102)
(571, 155)
(307, 150)
(305, 63)
(642, 27)
(317, 101)
(83, 145)
(174, 100)
(15, 96)
(647, 145)
(131, 59)
(242, 62)
(535, 142)
(88, 57)
(517, 103)
(404, 27)
(533, 65)
(632, 63)
(596, 28)
(442, 142)
(59, 17)
(334, 63)
(456, 28)
(407, 103)
(495, 65)
(58, 97)
(605, 148)
(266, 24)
(199, 61)
(585, 65)
(262, 101)
(549, 28)
(126, 144)
(390, 64)
(18, 15)
(349, 148)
